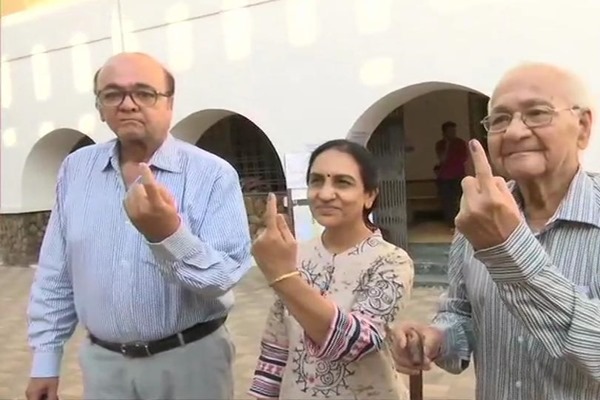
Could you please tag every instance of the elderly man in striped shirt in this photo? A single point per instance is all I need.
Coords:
(146, 239)
(524, 269)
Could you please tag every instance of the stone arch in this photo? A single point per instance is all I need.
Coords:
(371, 118)
(244, 145)
(42, 165)
(387, 128)
(241, 142)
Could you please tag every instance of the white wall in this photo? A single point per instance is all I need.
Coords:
(303, 70)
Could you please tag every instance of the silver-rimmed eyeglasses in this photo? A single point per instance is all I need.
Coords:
(534, 117)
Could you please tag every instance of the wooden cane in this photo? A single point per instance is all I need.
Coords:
(416, 386)
(417, 354)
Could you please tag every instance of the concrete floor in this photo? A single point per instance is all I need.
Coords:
(245, 323)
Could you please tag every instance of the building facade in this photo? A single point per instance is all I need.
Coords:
(257, 80)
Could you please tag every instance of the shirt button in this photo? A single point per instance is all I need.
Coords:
(520, 339)
(518, 384)
(124, 263)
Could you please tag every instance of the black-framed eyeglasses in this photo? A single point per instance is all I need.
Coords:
(534, 117)
(142, 97)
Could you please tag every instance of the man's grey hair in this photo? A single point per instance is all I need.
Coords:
(579, 95)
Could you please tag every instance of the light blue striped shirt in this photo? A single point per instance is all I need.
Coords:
(95, 266)
(528, 310)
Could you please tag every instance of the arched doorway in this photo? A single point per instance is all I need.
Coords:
(83, 142)
(402, 130)
(38, 194)
(42, 165)
(244, 145)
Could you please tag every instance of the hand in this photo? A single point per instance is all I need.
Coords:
(275, 248)
(415, 347)
(42, 389)
(151, 208)
(488, 211)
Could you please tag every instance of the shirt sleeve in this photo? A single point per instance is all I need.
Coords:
(51, 311)
(550, 306)
(266, 383)
(380, 295)
(454, 315)
(212, 254)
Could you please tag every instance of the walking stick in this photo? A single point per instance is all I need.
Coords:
(417, 352)
(416, 386)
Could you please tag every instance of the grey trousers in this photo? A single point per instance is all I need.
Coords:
(199, 370)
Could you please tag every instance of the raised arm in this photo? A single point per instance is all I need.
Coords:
(211, 254)
(51, 312)
(550, 306)
(381, 293)
(324, 323)
(273, 356)
(453, 318)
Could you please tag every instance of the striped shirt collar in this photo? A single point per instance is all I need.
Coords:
(579, 205)
(165, 158)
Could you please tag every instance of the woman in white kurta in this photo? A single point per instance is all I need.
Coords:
(337, 294)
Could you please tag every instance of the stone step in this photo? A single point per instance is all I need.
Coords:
(426, 267)
(431, 280)
(433, 252)
(431, 263)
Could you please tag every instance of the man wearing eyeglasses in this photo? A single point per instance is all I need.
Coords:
(524, 270)
(146, 239)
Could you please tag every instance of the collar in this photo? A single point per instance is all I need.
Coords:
(579, 204)
(165, 158)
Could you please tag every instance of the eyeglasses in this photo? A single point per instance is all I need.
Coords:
(141, 97)
(535, 117)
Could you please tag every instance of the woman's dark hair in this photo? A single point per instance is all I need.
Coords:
(366, 165)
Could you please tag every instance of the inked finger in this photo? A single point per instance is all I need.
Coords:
(483, 170)
(270, 215)
(149, 182)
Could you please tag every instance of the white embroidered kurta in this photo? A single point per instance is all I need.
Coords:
(369, 284)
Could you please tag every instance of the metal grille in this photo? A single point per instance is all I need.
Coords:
(387, 145)
(240, 142)
(255, 207)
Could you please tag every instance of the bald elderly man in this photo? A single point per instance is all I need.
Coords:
(524, 269)
(137, 250)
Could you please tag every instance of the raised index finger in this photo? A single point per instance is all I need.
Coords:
(150, 184)
(270, 215)
(483, 170)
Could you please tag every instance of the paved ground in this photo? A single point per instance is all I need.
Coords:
(246, 323)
